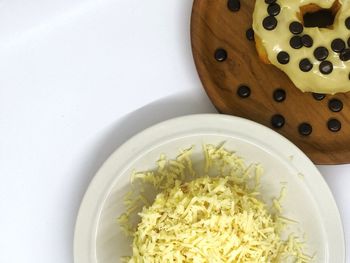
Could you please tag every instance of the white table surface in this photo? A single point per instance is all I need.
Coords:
(78, 78)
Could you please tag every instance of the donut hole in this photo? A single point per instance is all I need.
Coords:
(313, 15)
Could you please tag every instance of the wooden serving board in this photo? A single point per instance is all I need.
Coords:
(215, 27)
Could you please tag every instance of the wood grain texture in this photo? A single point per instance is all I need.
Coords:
(214, 26)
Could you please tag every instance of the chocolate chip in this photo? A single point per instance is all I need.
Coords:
(348, 42)
(305, 129)
(335, 105)
(338, 45)
(349, 76)
(220, 55)
(326, 67)
(269, 22)
(295, 42)
(307, 41)
(321, 53)
(279, 95)
(283, 57)
(234, 5)
(347, 23)
(273, 9)
(318, 96)
(345, 55)
(277, 121)
(305, 65)
(270, 1)
(296, 27)
(334, 125)
(250, 34)
(243, 91)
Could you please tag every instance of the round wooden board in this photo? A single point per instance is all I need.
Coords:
(214, 26)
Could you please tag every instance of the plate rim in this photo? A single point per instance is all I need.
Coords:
(95, 195)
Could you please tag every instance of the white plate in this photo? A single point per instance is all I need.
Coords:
(309, 201)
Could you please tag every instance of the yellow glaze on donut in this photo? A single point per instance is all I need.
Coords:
(278, 39)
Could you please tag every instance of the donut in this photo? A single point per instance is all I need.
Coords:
(309, 40)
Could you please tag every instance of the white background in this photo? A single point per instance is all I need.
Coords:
(78, 78)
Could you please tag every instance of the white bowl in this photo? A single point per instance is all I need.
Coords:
(98, 238)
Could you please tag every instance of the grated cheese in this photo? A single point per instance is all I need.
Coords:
(209, 218)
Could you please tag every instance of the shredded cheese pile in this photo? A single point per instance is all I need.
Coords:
(211, 218)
